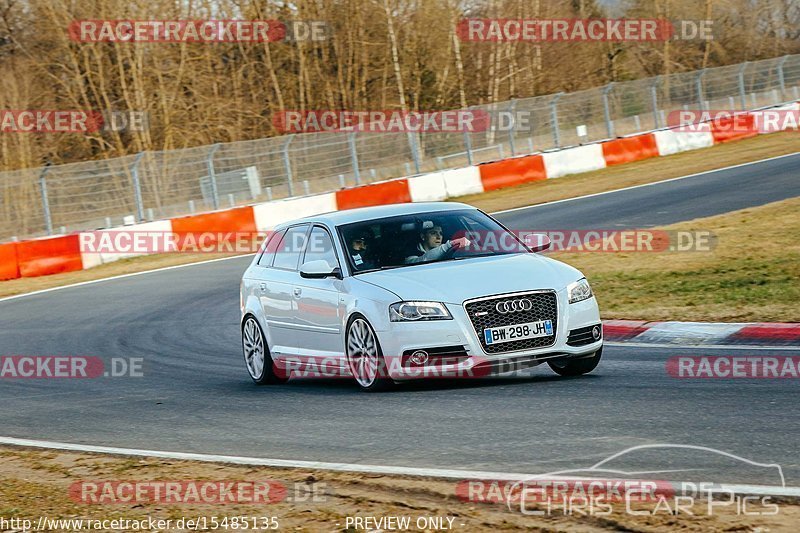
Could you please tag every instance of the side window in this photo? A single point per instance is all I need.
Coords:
(288, 252)
(269, 248)
(320, 247)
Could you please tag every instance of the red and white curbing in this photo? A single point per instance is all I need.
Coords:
(63, 253)
(702, 333)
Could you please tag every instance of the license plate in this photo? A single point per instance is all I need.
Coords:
(518, 332)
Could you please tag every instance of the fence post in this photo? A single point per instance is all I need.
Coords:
(740, 75)
(48, 219)
(607, 110)
(781, 80)
(287, 164)
(351, 139)
(468, 146)
(512, 106)
(554, 119)
(137, 187)
(654, 101)
(212, 175)
(698, 82)
(412, 143)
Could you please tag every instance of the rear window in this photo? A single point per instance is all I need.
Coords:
(291, 247)
(269, 248)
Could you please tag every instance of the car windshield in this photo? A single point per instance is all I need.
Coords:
(406, 240)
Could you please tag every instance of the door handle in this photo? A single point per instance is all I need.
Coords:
(263, 287)
(297, 291)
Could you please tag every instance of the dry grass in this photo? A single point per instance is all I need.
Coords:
(753, 273)
(36, 483)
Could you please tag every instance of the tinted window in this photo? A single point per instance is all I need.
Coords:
(290, 249)
(269, 247)
(404, 240)
(320, 247)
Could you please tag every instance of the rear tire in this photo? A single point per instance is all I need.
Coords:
(256, 354)
(365, 357)
(576, 367)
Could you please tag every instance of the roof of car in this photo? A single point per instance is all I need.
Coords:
(338, 218)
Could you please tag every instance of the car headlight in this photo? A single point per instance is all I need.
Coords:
(413, 311)
(579, 291)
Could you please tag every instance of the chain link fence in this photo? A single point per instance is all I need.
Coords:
(155, 185)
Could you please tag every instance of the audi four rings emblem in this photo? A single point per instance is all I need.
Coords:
(514, 306)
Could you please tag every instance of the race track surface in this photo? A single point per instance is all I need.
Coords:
(704, 195)
(195, 395)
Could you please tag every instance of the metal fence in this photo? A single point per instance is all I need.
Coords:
(154, 185)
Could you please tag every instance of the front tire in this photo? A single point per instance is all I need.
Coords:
(256, 354)
(364, 356)
(576, 367)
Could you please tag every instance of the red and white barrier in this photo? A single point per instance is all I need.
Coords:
(92, 259)
(381, 193)
(574, 160)
(672, 142)
(270, 214)
(52, 255)
(9, 265)
(513, 171)
(462, 181)
(427, 188)
(787, 118)
(49, 255)
(629, 149)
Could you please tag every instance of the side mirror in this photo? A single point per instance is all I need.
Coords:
(319, 269)
(537, 241)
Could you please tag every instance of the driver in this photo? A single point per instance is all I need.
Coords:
(358, 249)
(430, 247)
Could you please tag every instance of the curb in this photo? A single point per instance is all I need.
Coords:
(702, 333)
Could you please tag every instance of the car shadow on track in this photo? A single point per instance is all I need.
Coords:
(348, 385)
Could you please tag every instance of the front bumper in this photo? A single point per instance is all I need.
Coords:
(405, 337)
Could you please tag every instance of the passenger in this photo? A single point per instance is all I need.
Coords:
(359, 252)
(430, 247)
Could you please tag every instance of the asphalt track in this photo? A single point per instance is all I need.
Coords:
(195, 395)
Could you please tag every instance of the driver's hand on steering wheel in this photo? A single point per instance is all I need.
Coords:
(461, 242)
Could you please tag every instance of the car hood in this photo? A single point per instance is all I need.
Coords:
(456, 281)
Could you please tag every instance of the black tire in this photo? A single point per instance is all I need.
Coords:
(252, 338)
(576, 367)
(381, 381)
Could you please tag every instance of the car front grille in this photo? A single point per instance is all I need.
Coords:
(483, 314)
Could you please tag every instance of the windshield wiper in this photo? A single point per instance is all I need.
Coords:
(378, 269)
(485, 254)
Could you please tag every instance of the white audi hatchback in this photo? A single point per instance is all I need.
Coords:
(391, 293)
